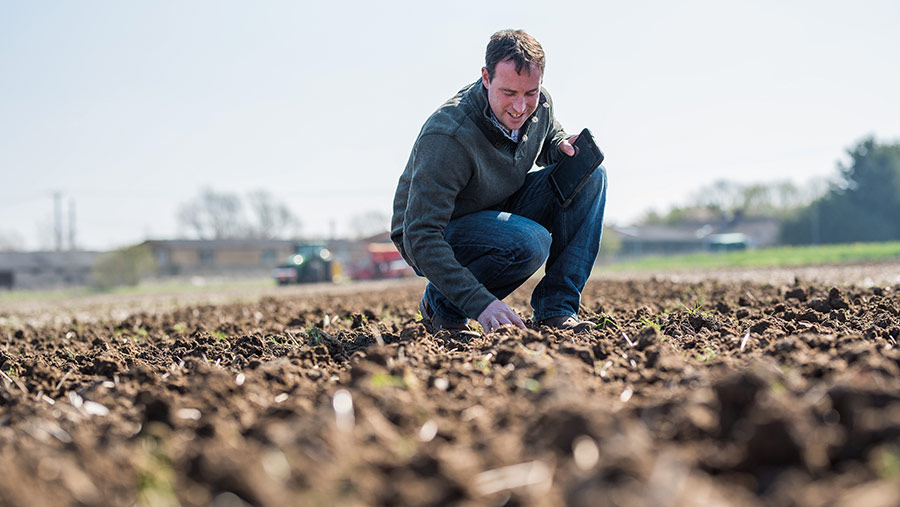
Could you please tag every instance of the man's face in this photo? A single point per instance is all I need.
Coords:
(513, 97)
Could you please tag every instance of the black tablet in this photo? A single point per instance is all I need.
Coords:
(571, 173)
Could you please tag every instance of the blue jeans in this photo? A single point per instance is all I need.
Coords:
(503, 247)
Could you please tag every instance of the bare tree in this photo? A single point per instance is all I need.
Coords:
(220, 215)
(725, 199)
(369, 223)
(721, 196)
(214, 215)
(10, 241)
(271, 218)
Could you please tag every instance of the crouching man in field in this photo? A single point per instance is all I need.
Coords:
(473, 218)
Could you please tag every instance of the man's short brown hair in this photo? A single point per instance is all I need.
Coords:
(516, 45)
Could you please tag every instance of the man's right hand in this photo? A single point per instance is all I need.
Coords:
(498, 314)
(567, 146)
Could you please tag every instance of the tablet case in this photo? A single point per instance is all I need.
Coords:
(571, 173)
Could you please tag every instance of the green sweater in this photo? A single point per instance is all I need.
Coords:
(461, 163)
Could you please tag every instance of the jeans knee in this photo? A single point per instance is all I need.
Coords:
(534, 246)
(597, 182)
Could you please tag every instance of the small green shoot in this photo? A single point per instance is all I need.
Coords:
(315, 336)
(532, 385)
(156, 476)
(219, 335)
(650, 323)
(383, 380)
(607, 321)
(387, 316)
(695, 308)
(707, 355)
(886, 462)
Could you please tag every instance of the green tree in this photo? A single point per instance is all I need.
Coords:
(862, 205)
(610, 245)
(126, 266)
(723, 200)
(872, 180)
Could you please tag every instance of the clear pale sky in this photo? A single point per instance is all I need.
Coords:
(131, 108)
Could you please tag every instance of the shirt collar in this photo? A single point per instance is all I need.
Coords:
(512, 135)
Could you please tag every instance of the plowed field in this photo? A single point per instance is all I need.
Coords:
(703, 391)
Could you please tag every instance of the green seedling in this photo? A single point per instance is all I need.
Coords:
(315, 336)
(156, 475)
(219, 335)
(649, 323)
(387, 316)
(532, 385)
(607, 321)
(887, 462)
(707, 355)
(383, 380)
(695, 308)
(529, 351)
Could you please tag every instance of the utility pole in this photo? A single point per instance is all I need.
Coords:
(72, 224)
(57, 220)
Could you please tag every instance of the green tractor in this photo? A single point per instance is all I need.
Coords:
(309, 264)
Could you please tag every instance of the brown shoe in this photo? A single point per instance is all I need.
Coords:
(434, 323)
(567, 322)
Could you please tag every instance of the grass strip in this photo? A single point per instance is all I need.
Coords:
(764, 257)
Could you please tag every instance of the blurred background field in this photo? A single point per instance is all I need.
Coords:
(780, 256)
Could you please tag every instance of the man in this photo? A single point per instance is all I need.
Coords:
(471, 216)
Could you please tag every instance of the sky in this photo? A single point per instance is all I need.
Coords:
(127, 110)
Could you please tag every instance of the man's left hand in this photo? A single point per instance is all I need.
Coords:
(566, 146)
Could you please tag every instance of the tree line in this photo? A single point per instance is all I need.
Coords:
(223, 215)
(257, 215)
(862, 203)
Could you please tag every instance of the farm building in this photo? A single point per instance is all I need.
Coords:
(190, 257)
(45, 270)
(696, 237)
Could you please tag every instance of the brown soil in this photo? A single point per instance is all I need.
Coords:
(707, 391)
